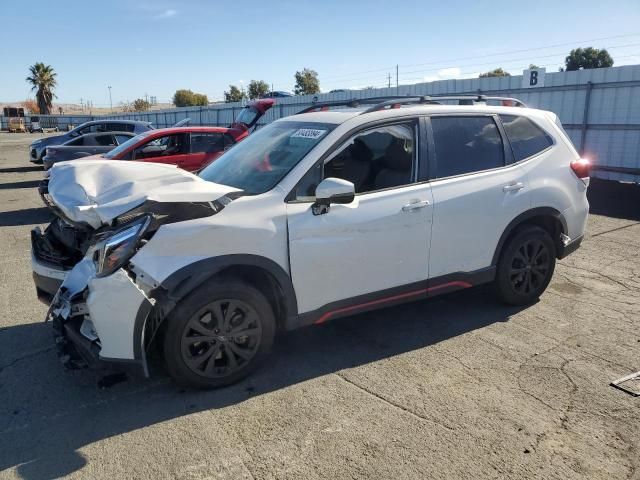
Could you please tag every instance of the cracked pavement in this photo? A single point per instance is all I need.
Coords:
(455, 387)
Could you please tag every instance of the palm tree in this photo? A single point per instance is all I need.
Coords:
(43, 79)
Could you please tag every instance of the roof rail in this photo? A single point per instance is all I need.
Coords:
(382, 103)
(353, 103)
(462, 100)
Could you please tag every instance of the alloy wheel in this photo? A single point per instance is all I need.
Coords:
(221, 338)
(530, 267)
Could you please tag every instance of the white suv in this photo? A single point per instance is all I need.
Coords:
(316, 216)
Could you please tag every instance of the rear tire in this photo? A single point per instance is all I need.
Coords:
(526, 266)
(218, 334)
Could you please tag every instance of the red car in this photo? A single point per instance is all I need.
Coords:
(190, 148)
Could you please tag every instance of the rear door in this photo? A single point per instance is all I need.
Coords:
(205, 148)
(170, 149)
(477, 191)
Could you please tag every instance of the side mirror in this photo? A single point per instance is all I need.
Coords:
(332, 190)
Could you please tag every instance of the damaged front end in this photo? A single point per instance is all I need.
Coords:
(99, 312)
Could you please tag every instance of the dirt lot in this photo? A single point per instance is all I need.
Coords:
(457, 387)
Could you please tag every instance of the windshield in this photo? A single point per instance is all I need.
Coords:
(258, 163)
(125, 146)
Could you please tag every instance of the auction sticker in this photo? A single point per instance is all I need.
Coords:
(310, 133)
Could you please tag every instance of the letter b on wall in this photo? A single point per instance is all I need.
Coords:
(532, 78)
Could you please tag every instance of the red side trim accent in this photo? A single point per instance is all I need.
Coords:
(330, 314)
(460, 284)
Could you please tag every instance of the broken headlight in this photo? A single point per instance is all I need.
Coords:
(116, 250)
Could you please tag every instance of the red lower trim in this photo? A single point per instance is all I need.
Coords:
(328, 315)
(457, 283)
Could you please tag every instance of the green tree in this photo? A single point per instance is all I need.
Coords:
(496, 72)
(586, 58)
(307, 82)
(43, 80)
(234, 94)
(533, 66)
(257, 88)
(141, 105)
(200, 99)
(187, 98)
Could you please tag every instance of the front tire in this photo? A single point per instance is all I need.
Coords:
(218, 334)
(526, 266)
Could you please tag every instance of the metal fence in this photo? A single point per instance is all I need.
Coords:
(600, 110)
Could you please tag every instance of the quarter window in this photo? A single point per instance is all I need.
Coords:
(526, 137)
(466, 145)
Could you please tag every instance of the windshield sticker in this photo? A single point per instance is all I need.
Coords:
(310, 133)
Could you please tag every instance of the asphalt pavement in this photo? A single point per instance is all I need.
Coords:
(456, 387)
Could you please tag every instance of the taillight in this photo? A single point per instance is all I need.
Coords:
(581, 168)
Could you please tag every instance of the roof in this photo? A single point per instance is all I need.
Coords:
(341, 116)
(117, 120)
(332, 116)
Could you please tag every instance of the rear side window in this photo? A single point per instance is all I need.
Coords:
(526, 137)
(116, 127)
(206, 142)
(76, 143)
(104, 140)
(466, 145)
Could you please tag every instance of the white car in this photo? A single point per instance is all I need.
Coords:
(316, 216)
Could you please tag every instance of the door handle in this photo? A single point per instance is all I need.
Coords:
(514, 187)
(415, 205)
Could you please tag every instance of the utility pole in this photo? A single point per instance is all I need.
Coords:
(81, 104)
(110, 101)
(396, 79)
(389, 80)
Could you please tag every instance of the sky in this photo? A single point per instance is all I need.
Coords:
(156, 47)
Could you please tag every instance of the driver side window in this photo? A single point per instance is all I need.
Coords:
(375, 159)
(168, 145)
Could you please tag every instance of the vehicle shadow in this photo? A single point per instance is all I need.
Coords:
(614, 199)
(21, 169)
(26, 216)
(50, 415)
(25, 184)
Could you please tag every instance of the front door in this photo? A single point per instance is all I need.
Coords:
(476, 193)
(374, 250)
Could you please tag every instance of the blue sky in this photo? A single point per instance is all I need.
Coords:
(156, 47)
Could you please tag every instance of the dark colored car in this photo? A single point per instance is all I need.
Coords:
(37, 148)
(277, 94)
(85, 145)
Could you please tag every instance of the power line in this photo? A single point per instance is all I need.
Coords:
(505, 63)
(358, 73)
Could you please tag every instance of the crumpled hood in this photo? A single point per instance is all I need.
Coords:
(97, 191)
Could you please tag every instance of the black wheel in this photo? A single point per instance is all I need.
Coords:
(526, 266)
(218, 334)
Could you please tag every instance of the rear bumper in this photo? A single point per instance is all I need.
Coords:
(571, 247)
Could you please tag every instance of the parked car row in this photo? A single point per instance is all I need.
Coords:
(190, 148)
(315, 216)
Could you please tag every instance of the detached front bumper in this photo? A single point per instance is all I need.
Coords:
(99, 321)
